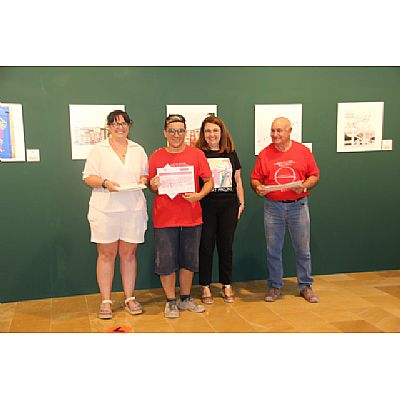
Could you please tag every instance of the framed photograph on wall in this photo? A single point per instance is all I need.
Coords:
(12, 141)
(264, 116)
(88, 126)
(359, 126)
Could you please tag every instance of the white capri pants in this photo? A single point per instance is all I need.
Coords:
(108, 227)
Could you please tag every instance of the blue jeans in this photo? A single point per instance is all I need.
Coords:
(296, 217)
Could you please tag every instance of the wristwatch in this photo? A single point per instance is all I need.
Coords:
(104, 184)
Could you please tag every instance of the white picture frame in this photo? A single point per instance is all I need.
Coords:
(359, 126)
(88, 126)
(194, 116)
(264, 114)
(12, 138)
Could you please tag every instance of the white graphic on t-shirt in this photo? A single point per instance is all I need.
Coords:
(285, 173)
(179, 164)
(221, 169)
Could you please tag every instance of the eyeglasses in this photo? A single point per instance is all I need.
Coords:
(173, 131)
(122, 124)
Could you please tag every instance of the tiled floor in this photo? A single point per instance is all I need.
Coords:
(356, 302)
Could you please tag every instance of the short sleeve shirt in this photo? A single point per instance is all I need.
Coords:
(178, 212)
(223, 167)
(274, 167)
(102, 161)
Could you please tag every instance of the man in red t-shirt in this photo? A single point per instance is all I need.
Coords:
(292, 166)
(177, 218)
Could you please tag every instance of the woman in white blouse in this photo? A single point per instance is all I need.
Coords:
(117, 169)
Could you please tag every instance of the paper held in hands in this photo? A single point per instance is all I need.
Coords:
(131, 187)
(175, 180)
(290, 185)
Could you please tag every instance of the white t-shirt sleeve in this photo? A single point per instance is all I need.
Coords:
(92, 165)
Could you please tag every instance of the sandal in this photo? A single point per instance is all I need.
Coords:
(104, 312)
(137, 308)
(206, 297)
(228, 298)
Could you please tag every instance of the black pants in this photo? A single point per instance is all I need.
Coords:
(219, 224)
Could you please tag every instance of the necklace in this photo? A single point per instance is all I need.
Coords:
(119, 149)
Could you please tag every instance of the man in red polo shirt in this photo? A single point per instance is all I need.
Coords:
(286, 162)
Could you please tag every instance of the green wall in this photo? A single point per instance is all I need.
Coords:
(44, 239)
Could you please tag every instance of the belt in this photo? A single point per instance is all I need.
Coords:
(290, 201)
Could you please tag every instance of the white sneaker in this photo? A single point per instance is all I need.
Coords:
(171, 310)
(190, 305)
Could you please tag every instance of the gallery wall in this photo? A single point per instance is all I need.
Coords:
(44, 238)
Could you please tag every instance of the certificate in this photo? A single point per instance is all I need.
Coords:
(174, 180)
(131, 187)
(271, 188)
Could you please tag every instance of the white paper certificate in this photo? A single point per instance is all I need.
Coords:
(174, 180)
(289, 185)
(131, 187)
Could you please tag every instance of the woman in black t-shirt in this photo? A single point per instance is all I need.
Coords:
(221, 208)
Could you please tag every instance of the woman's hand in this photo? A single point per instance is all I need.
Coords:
(241, 209)
(111, 186)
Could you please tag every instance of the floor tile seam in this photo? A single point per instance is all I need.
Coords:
(12, 310)
(317, 324)
(201, 315)
(87, 305)
(384, 293)
(356, 318)
(313, 313)
(390, 316)
(245, 320)
(359, 321)
(9, 326)
(4, 319)
(386, 321)
(69, 321)
(378, 303)
(277, 321)
(208, 322)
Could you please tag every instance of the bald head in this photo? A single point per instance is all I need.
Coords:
(282, 121)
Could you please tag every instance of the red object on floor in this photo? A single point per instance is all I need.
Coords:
(119, 329)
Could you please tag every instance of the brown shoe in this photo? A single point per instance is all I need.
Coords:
(309, 295)
(206, 295)
(273, 294)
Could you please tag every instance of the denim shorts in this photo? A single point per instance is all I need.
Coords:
(175, 248)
